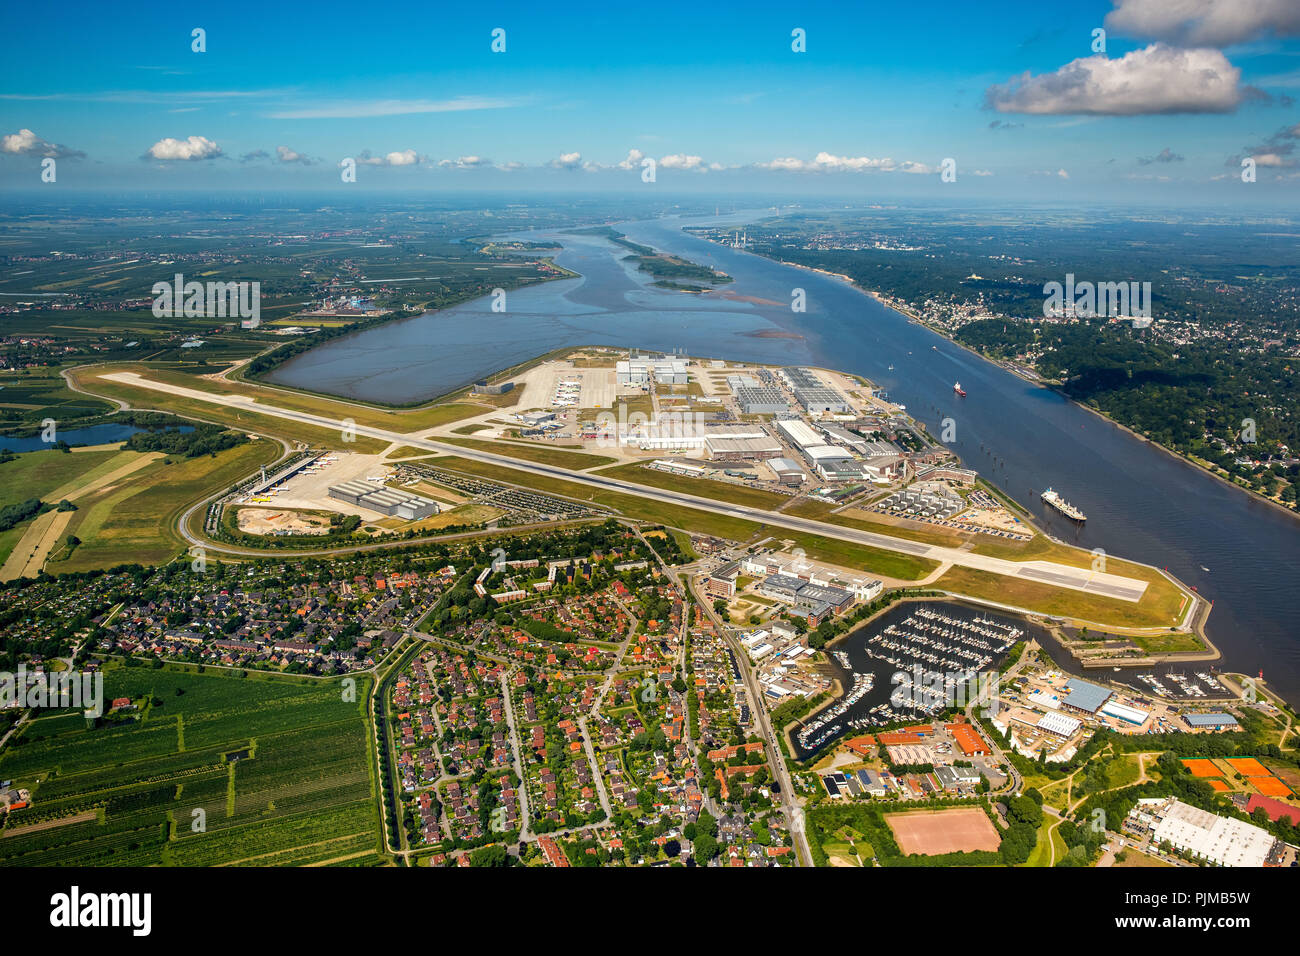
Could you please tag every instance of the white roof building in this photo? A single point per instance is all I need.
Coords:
(800, 433)
(1060, 724)
(1222, 840)
(1130, 715)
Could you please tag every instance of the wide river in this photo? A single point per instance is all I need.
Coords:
(1141, 502)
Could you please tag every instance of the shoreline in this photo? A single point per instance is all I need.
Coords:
(1040, 382)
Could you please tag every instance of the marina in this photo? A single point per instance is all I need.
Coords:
(910, 663)
(1133, 492)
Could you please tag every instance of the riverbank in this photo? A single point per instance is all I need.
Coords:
(294, 350)
(1040, 382)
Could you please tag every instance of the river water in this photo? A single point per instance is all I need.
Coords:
(1141, 502)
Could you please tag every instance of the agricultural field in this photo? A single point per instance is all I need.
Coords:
(50, 476)
(41, 473)
(201, 769)
(29, 396)
(134, 520)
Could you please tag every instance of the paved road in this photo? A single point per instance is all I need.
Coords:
(1059, 575)
(794, 814)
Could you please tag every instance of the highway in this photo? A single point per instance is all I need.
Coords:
(1058, 575)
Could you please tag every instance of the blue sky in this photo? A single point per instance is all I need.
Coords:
(1011, 91)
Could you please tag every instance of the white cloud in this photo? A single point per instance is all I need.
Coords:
(465, 162)
(567, 161)
(191, 148)
(1204, 22)
(633, 160)
(26, 143)
(980, 172)
(1157, 79)
(401, 157)
(286, 155)
(1272, 159)
(826, 162)
(681, 161)
(785, 163)
(23, 141)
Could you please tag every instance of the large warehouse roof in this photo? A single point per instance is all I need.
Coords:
(1085, 696)
(1210, 720)
(826, 453)
(799, 432)
(1223, 840)
(1132, 715)
(1057, 723)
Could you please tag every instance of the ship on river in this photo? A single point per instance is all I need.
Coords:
(1063, 506)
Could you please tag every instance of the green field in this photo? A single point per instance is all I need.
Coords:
(302, 792)
(699, 521)
(1158, 607)
(134, 521)
(239, 418)
(541, 454)
(30, 395)
(35, 474)
(703, 487)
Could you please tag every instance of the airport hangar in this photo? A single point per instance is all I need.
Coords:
(395, 504)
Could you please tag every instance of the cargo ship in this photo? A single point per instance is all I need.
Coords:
(956, 387)
(1063, 506)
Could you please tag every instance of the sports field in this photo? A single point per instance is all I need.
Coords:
(933, 833)
(1247, 766)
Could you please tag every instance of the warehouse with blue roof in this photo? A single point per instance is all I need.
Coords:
(1085, 697)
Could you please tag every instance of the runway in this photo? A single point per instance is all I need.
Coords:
(1047, 572)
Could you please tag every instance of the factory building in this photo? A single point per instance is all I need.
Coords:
(395, 504)
(1125, 713)
(800, 434)
(1059, 724)
(814, 394)
(882, 468)
(832, 462)
(740, 443)
(1217, 721)
(850, 440)
(761, 400)
(1224, 841)
(787, 471)
(1084, 697)
(640, 368)
(836, 467)
(487, 388)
